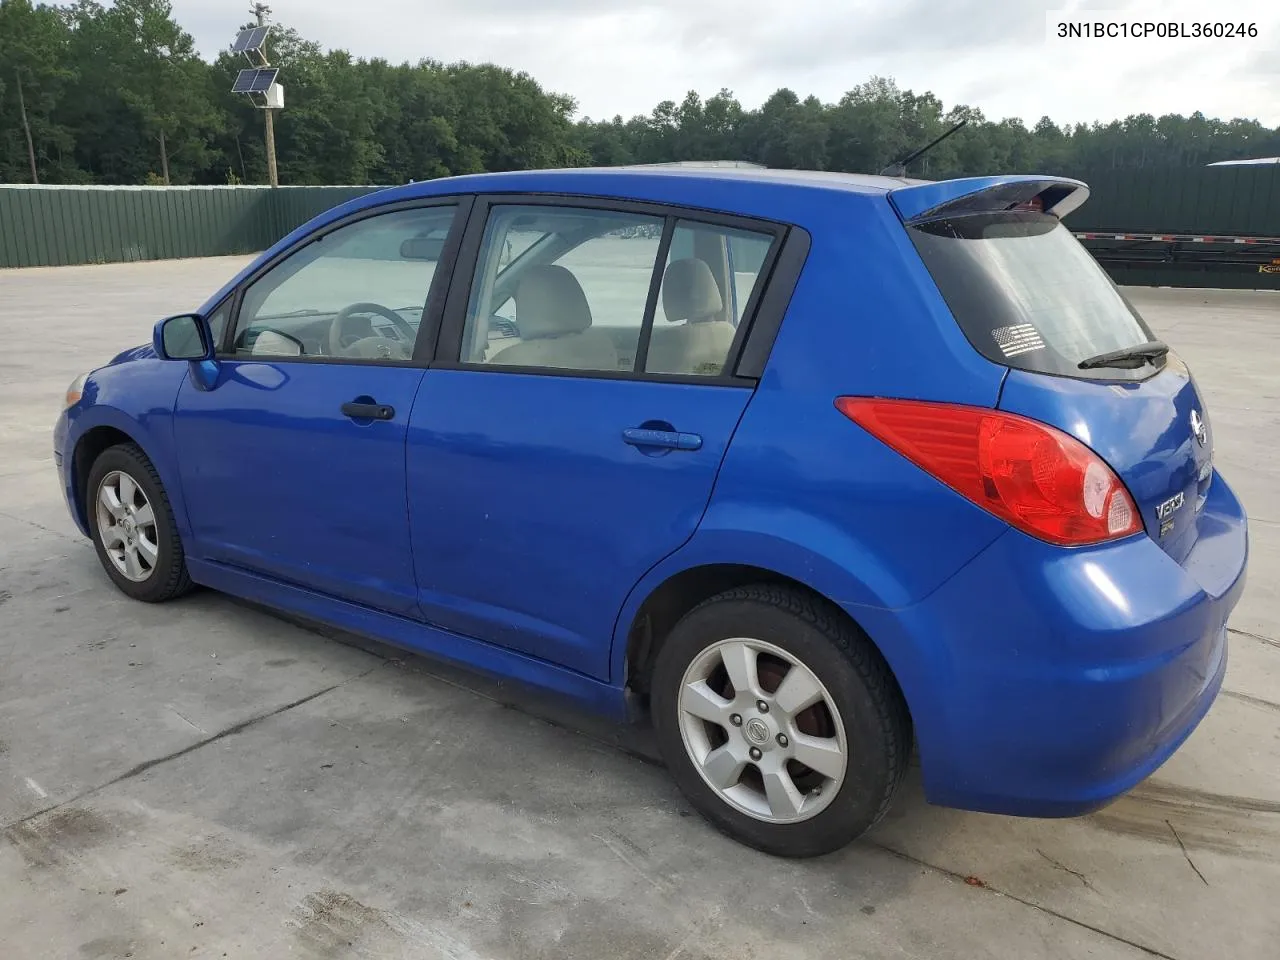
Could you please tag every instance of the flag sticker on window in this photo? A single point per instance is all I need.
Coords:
(1018, 339)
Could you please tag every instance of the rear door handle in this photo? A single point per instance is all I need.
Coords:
(368, 411)
(666, 439)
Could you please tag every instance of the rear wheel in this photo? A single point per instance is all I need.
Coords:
(133, 528)
(779, 720)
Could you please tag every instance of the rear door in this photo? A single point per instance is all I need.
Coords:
(1029, 296)
(548, 468)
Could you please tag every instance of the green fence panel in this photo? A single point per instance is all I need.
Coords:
(29, 223)
(294, 206)
(56, 226)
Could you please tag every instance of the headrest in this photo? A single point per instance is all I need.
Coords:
(550, 303)
(689, 292)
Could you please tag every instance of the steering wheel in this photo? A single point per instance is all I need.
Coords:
(370, 346)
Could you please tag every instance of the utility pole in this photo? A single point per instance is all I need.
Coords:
(272, 170)
(26, 128)
(260, 10)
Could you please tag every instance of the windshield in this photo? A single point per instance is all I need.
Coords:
(1028, 295)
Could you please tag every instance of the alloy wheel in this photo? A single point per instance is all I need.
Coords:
(127, 526)
(762, 730)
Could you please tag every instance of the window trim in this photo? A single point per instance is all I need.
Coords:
(433, 305)
(774, 300)
(449, 343)
(651, 298)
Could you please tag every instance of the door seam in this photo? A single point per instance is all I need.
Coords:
(715, 482)
(408, 502)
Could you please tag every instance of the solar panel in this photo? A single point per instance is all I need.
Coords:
(251, 39)
(255, 81)
(265, 78)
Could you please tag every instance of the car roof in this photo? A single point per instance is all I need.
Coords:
(628, 181)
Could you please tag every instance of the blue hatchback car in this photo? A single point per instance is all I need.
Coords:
(807, 468)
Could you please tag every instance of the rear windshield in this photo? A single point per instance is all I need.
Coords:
(1028, 295)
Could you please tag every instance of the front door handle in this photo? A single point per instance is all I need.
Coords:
(368, 411)
(663, 439)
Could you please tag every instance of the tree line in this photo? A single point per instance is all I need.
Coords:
(118, 95)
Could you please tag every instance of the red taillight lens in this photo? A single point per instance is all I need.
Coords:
(1029, 474)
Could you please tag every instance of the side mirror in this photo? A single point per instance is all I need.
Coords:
(183, 337)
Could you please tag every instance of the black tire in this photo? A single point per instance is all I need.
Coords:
(874, 715)
(168, 578)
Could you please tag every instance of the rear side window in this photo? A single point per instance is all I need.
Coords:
(1028, 295)
(707, 282)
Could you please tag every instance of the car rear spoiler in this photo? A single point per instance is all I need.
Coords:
(955, 198)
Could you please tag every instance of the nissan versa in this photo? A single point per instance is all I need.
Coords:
(810, 469)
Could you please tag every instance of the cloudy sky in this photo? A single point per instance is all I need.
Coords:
(624, 57)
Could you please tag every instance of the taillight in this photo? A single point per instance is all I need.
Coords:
(1035, 477)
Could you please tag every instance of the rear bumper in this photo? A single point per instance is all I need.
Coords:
(1046, 682)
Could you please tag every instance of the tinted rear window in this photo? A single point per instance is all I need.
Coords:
(1028, 295)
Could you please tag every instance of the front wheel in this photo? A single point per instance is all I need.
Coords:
(133, 527)
(780, 720)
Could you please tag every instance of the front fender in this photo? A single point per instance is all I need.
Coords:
(136, 398)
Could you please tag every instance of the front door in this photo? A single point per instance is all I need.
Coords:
(293, 464)
(555, 463)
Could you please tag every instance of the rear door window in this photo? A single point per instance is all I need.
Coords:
(1028, 295)
(561, 288)
(589, 289)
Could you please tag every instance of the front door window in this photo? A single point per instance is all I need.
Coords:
(356, 293)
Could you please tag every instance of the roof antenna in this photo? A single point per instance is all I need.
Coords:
(899, 169)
